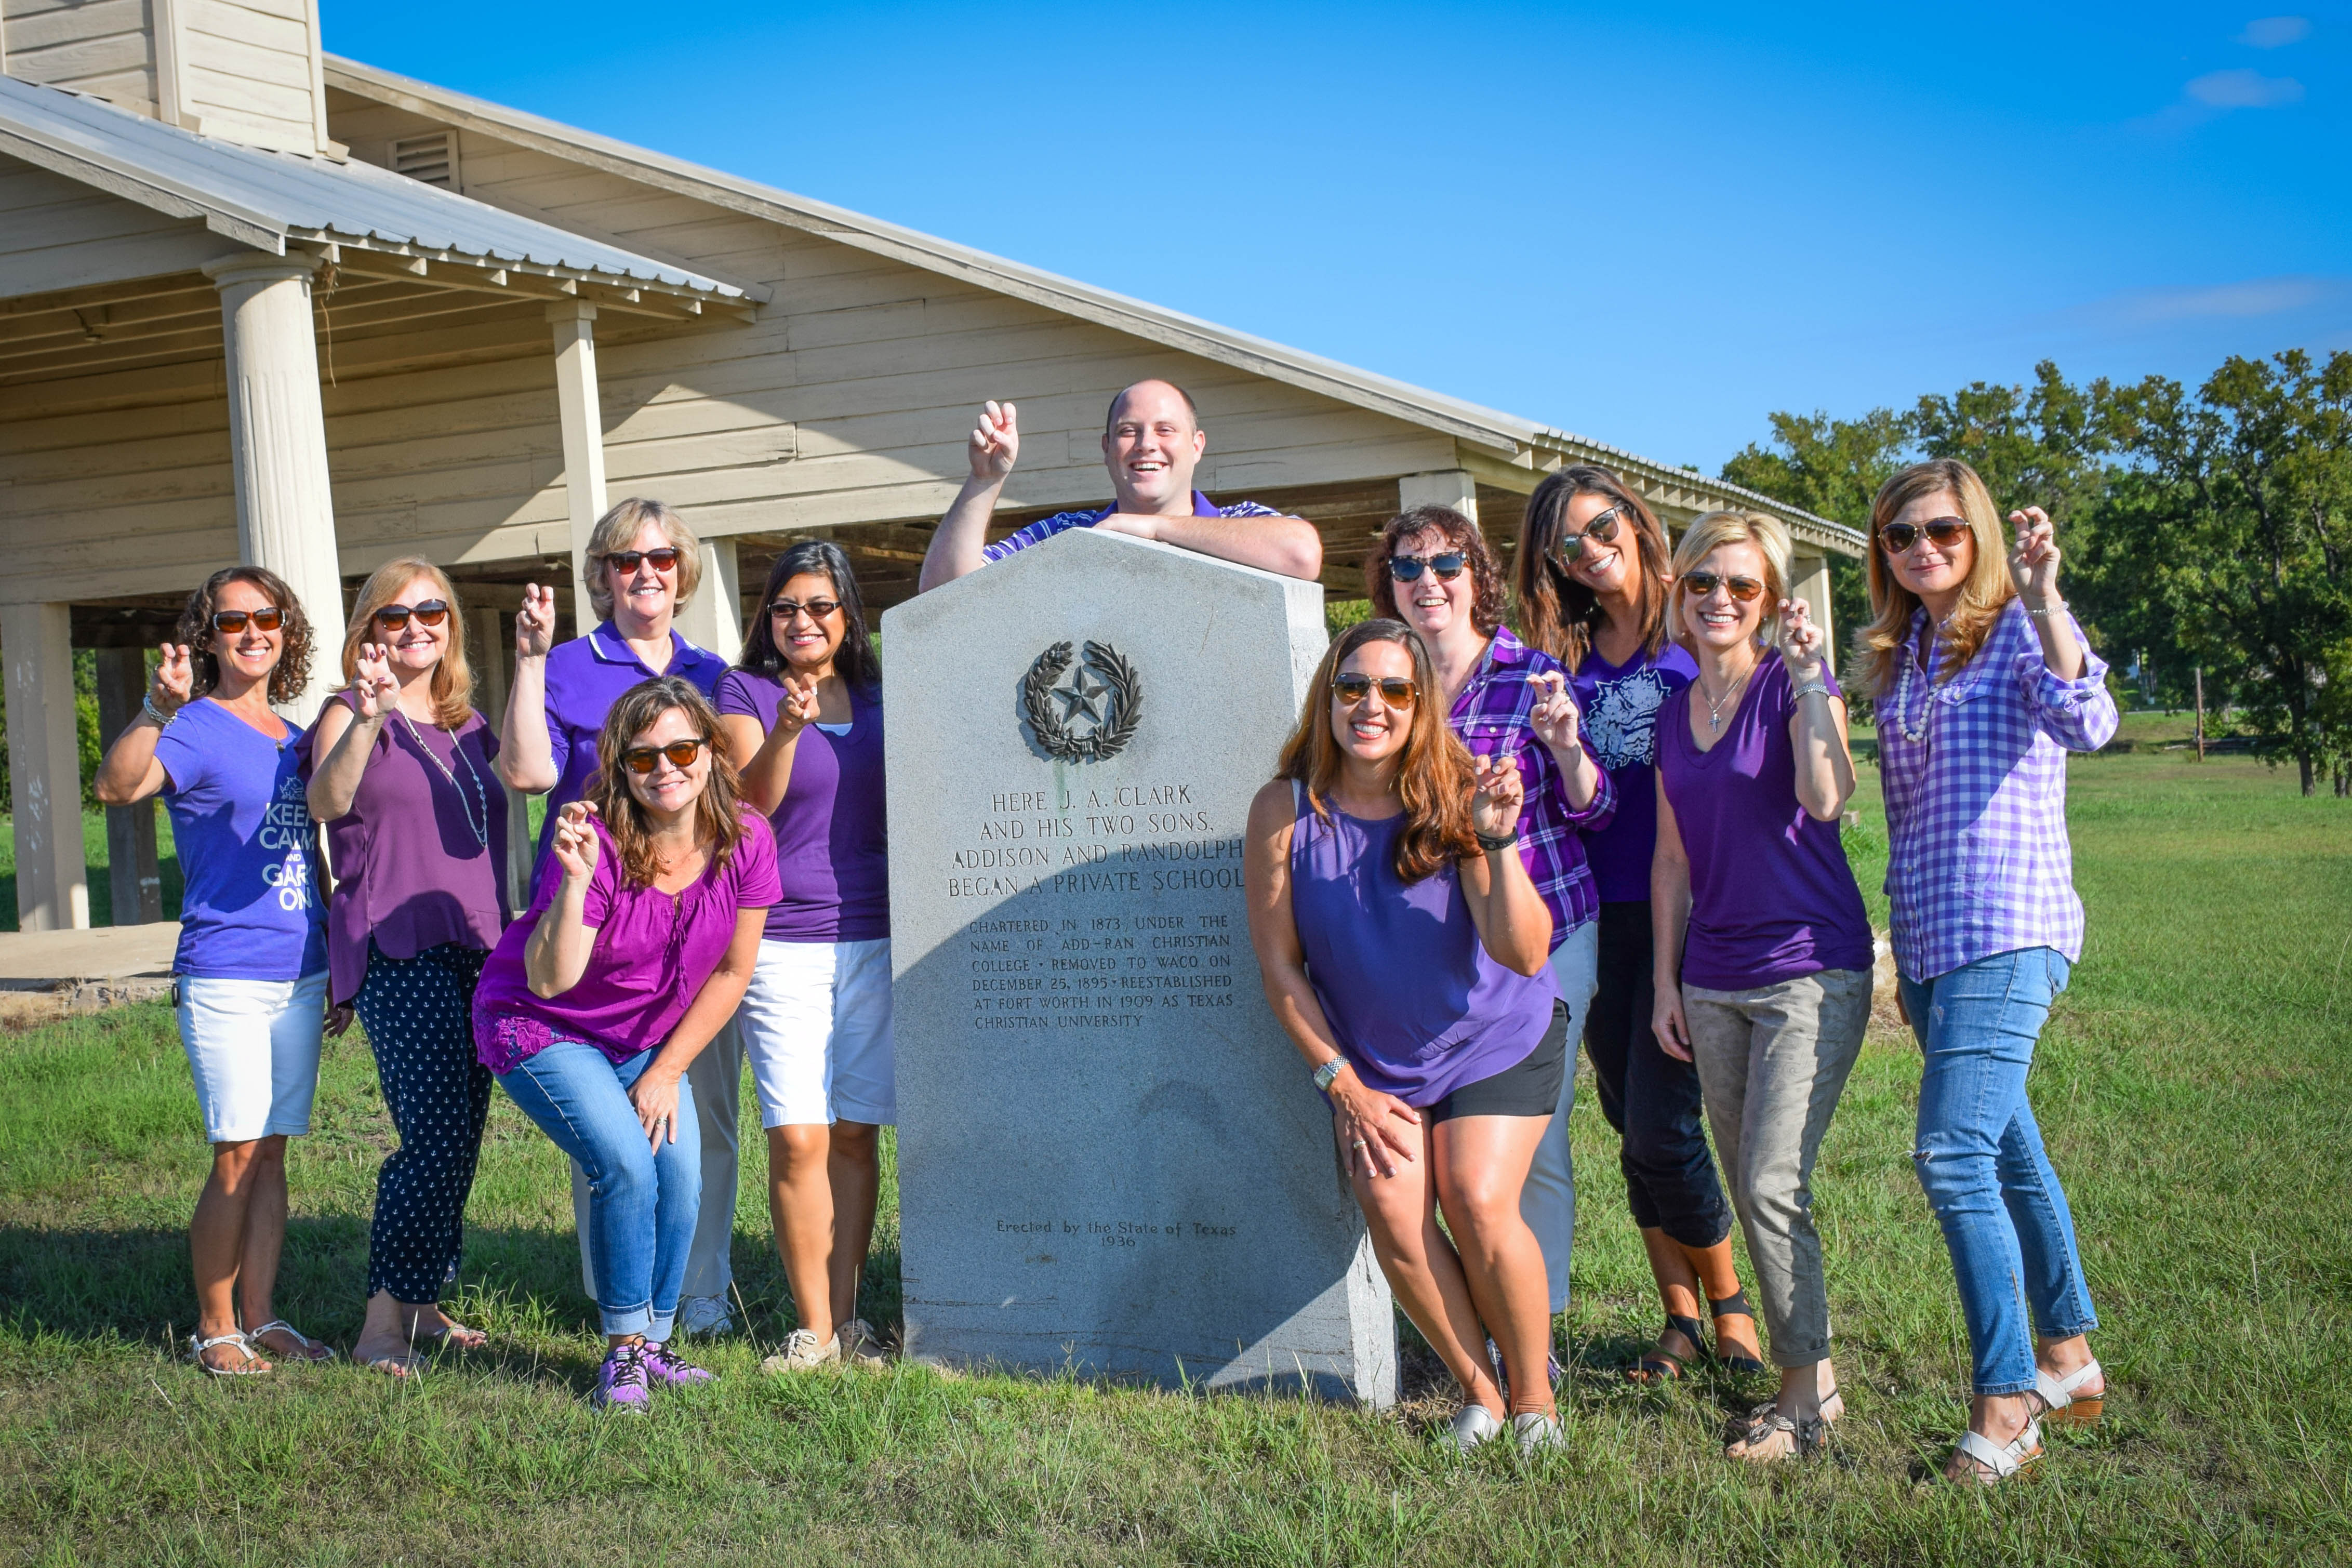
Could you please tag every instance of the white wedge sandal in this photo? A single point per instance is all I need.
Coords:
(1999, 1462)
(2066, 1406)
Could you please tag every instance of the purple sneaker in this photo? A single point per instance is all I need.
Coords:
(663, 1367)
(621, 1381)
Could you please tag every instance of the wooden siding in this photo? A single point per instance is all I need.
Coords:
(101, 46)
(250, 70)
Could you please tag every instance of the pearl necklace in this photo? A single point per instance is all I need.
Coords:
(1917, 737)
(480, 830)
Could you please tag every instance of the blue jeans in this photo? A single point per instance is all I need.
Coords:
(642, 1202)
(1980, 1160)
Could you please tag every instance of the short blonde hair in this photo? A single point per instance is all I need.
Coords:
(1712, 531)
(617, 531)
(453, 678)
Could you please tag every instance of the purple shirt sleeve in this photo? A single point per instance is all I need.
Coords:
(2079, 714)
(757, 884)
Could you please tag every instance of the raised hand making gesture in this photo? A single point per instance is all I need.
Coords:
(1554, 718)
(995, 444)
(575, 844)
(173, 684)
(1802, 647)
(798, 710)
(373, 689)
(2034, 568)
(1497, 795)
(535, 622)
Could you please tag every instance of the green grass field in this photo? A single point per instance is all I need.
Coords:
(2195, 1086)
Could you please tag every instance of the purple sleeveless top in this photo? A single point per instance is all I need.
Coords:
(1417, 1004)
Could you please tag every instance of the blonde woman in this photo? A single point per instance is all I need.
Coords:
(1984, 685)
(643, 563)
(402, 772)
(1763, 952)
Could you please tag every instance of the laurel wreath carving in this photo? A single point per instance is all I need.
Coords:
(1124, 714)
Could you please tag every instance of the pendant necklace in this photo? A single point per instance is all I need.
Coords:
(1715, 710)
(481, 830)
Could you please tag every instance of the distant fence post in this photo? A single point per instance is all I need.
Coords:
(2201, 712)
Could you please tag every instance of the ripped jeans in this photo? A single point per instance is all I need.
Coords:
(1982, 1163)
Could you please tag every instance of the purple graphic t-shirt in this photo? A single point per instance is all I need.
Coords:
(1620, 703)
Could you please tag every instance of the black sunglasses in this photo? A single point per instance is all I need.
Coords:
(395, 617)
(1395, 689)
(681, 754)
(1943, 533)
(1601, 531)
(627, 559)
(785, 609)
(1447, 565)
(1702, 583)
(268, 618)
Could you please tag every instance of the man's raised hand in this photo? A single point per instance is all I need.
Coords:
(995, 443)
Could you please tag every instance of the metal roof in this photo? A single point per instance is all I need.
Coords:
(264, 198)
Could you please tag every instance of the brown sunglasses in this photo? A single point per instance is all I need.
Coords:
(639, 760)
(395, 617)
(268, 618)
(1395, 689)
(1943, 533)
(627, 559)
(1702, 583)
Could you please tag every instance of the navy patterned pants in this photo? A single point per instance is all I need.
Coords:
(418, 1016)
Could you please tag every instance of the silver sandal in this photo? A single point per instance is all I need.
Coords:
(197, 1346)
(311, 1347)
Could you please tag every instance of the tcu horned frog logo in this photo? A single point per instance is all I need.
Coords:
(1082, 710)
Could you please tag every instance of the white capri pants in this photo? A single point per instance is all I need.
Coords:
(816, 1028)
(253, 1045)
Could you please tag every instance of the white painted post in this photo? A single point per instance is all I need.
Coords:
(490, 649)
(44, 768)
(1812, 585)
(1448, 487)
(582, 418)
(713, 618)
(278, 432)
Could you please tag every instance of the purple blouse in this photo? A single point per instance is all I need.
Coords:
(1416, 1002)
(1772, 895)
(654, 952)
(833, 856)
(417, 858)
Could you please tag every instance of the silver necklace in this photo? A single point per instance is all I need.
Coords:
(1715, 710)
(481, 830)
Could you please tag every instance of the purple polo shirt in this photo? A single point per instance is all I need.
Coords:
(1045, 528)
(653, 954)
(584, 677)
(833, 856)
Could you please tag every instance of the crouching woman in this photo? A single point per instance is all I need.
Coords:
(1403, 948)
(632, 956)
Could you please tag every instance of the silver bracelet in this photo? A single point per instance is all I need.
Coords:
(2046, 609)
(163, 719)
(1329, 1073)
(1804, 691)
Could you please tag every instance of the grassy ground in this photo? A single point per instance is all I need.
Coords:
(2195, 1088)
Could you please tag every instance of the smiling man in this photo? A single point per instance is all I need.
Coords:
(1151, 442)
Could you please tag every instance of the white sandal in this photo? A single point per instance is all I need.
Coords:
(197, 1346)
(1999, 1461)
(2064, 1405)
(311, 1347)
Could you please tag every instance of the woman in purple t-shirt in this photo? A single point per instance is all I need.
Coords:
(632, 955)
(251, 973)
(1763, 950)
(1593, 594)
(401, 773)
(1404, 948)
(803, 715)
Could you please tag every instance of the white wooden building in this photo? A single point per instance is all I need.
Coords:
(258, 303)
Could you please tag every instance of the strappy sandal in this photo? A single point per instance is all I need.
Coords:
(1660, 1365)
(2063, 1405)
(1808, 1435)
(313, 1351)
(1733, 1305)
(1997, 1462)
(253, 1364)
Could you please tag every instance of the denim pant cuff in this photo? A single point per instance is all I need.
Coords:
(2089, 1325)
(659, 1328)
(1985, 1391)
(637, 1320)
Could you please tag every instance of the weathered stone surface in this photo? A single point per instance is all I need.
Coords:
(1110, 1157)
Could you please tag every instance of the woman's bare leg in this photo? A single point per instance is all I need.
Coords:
(854, 1171)
(800, 1206)
(1480, 1162)
(1422, 1268)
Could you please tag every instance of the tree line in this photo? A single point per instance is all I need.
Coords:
(2207, 529)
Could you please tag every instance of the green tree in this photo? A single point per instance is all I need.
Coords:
(2047, 445)
(1831, 468)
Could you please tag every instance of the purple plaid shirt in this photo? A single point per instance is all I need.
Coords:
(1976, 813)
(1491, 717)
(1045, 528)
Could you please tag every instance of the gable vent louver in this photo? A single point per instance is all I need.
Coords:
(431, 158)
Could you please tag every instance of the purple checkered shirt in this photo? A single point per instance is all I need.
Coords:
(1491, 717)
(1976, 813)
(1045, 528)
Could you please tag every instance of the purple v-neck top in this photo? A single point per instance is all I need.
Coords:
(417, 858)
(654, 952)
(1416, 1002)
(832, 855)
(1772, 895)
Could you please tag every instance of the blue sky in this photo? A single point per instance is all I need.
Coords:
(1652, 229)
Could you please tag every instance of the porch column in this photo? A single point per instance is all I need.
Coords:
(713, 618)
(44, 768)
(1448, 487)
(582, 418)
(277, 432)
(1812, 585)
(133, 874)
(490, 650)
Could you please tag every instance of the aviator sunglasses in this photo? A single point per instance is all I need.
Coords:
(1600, 530)
(395, 617)
(639, 760)
(1943, 533)
(1702, 583)
(627, 559)
(1395, 689)
(785, 609)
(268, 618)
(1447, 565)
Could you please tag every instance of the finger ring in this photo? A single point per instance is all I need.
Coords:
(1360, 1143)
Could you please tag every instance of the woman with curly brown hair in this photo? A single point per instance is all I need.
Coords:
(635, 953)
(1403, 946)
(251, 970)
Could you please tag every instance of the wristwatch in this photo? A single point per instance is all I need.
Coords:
(1329, 1073)
(1491, 842)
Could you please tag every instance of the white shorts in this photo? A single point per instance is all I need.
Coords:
(253, 1045)
(815, 1024)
